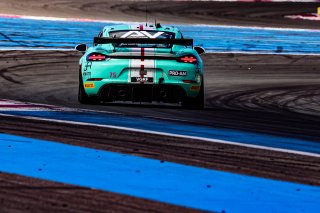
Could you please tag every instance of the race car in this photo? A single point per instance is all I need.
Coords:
(141, 63)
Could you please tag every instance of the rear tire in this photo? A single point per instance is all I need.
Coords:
(195, 103)
(83, 98)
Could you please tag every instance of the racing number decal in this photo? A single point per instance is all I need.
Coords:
(113, 75)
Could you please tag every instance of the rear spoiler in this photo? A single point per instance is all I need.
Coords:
(104, 40)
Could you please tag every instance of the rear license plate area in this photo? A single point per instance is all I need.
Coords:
(142, 79)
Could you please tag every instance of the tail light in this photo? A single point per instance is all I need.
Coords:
(188, 59)
(189, 81)
(96, 57)
(94, 79)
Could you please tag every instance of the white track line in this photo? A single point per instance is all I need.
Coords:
(304, 17)
(168, 134)
(48, 18)
(261, 53)
(253, 27)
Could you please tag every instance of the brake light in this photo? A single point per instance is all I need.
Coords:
(188, 59)
(189, 81)
(96, 57)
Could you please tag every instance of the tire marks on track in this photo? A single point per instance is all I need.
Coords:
(264, 83)
(303, 99)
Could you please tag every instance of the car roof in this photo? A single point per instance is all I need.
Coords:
(140, 27)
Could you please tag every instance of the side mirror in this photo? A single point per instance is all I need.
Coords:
(199, 50)
(82, 47)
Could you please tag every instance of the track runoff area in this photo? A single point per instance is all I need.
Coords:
(173, 183)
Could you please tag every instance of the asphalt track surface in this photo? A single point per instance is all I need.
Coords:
(237, 87)
(272, 94)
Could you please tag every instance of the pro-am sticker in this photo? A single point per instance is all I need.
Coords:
(177, 73)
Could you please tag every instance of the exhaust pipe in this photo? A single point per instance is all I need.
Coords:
(163, 94)
(122, 93)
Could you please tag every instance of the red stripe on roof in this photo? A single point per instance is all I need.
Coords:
(142, 54)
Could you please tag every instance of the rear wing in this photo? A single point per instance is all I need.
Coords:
(104, 40)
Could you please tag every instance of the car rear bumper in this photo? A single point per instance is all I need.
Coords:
(142, 93)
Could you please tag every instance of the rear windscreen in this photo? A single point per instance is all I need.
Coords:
(142, 34)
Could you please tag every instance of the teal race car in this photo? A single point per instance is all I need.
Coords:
(141, 63)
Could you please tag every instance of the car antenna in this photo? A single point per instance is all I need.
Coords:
(157, 25)
(146, 13)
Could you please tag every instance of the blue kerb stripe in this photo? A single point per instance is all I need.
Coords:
(146, 178)
(177, 128)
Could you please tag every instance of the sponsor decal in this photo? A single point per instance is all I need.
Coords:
(89, 85)
(86, 74)
(177, 73)
(195, 88)
(141, 34)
